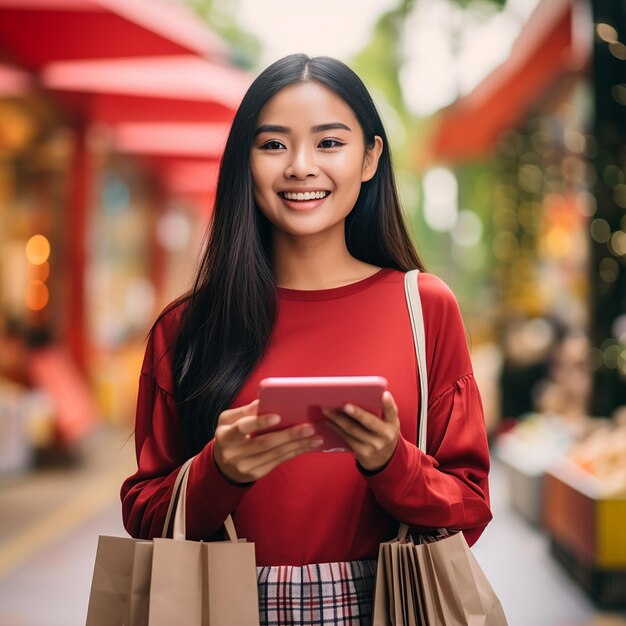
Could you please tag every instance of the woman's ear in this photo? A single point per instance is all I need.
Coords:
(370, 162)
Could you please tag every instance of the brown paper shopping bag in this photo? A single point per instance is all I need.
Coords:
(431, 610)
(111, 581)
(176, 584)
(120, 586)
(139, 594)
(121, 582)
(380, 616)
(411, 611)
(457, 580)
(174, 581)
(434, 583)
(202, 584)
(396, 576)
(230, 591)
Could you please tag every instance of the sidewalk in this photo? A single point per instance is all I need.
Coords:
(42, 507)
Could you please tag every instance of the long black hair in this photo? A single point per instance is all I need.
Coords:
(230, 312)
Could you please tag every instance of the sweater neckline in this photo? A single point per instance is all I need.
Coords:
(334, 292)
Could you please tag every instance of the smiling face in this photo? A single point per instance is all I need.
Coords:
(309, 159)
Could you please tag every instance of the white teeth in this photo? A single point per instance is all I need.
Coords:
(307, 195)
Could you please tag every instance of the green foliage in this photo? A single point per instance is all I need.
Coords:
(466, 3)
(220, 15)
(379, 64)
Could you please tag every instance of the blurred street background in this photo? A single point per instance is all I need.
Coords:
(507, 122)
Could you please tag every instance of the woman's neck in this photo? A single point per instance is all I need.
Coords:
(317, 262)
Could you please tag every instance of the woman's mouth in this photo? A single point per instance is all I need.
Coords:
(303, 196)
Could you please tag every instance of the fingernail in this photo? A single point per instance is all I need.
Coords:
(387, 396)
(316, 443)
(307, 431)
(348, 408)
(272, 420)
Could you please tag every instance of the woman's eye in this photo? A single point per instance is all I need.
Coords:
(330, 143)
(272, 145)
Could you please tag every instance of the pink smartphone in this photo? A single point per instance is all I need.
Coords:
(299, 400)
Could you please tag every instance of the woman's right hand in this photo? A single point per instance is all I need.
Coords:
(243, 458)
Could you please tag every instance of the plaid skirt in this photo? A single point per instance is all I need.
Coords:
(320, 594)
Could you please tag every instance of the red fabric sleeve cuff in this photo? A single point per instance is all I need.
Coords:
(398, 475)
(211, 497)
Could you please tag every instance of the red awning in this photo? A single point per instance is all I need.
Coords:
(14, 82)
(547, 48)
(173, 78)
(183, 139)
(171, 108)
(35, 32)
(113, 108)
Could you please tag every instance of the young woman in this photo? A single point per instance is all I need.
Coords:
(303, 276)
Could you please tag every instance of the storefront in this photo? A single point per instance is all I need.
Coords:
(93, 226)
(34, 187)
(520, 146)
(525, 143)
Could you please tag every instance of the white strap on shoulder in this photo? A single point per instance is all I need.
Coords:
(414, 304)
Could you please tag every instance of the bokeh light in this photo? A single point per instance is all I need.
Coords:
(618, 243)
(174, 230)
(440, 198)
(37, 295)
(619, 195)
(619, 327)
(37, 249)
(606, 32)
(618, 50)
(600, 230)
(39, 272)
(559, 242)
(609, 270)
(468, 229)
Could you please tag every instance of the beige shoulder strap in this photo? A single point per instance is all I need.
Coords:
(414, 304)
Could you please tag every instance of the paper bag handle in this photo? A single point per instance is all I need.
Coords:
(177, 506)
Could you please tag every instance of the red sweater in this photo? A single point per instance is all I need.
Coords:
(319, 507)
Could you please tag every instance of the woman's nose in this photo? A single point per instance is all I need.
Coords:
(302, 164)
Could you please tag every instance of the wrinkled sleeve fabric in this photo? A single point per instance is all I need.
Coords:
(160, 453)
(446, 487)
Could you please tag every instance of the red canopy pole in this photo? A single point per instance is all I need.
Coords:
(78, 208)
(157, 253)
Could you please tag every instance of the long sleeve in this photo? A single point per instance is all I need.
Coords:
(447, 486)
(145, 495)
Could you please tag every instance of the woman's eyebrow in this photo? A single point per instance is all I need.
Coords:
(332, 126)
(271, 128)
(275, 128)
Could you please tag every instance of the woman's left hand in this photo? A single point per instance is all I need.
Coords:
(372, 439)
